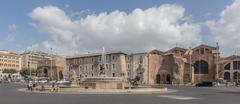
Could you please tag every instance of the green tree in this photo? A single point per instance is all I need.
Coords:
(26, 72)
(10, 71)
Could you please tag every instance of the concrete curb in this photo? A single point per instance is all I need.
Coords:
(91, 91)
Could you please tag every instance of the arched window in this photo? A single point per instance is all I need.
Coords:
(236, 75)
(227, 67)
(201, 67)
(227, 76)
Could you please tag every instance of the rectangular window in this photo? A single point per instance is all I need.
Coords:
(197, 51)
(106, 58)
(113, 66)
(236, 65)
(202, 50)
(113, 57)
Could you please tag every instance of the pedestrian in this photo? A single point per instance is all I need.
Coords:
(53, 87)
(57, 88)
(43, 88)
(30, 85)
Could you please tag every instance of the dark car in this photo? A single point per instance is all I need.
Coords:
(204, 84)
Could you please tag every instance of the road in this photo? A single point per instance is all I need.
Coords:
(185, 95)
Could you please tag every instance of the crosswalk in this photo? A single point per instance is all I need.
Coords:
(177, 97)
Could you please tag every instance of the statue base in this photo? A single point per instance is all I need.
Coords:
(103, 83)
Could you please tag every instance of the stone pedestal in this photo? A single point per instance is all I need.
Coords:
(103, 83)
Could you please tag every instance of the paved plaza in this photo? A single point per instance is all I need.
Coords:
(184, 95)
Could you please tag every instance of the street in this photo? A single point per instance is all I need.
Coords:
(185, 95)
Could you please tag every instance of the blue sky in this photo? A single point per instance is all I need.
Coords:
(15, 13)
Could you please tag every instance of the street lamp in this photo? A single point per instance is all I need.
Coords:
(51, 64)
(199, 67)
(217, 62)
(30, 58)
(237, 65)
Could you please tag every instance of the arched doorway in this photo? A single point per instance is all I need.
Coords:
(168, 79)
(60, 75)
(45, 72)
(227, 76)
(158, 79)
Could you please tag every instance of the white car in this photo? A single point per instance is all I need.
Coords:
(42, 81)
(62, 82)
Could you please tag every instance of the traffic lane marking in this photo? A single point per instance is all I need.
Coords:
(178, 97)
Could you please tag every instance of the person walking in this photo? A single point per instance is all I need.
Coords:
(53, 87)
(30, 85)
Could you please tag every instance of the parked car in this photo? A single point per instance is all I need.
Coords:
(63, 82)
(42, 81)
(205, 84)
(53, 82)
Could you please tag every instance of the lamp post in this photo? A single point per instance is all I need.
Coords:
(199, 67)
(51, 64)
(237, 66)
(30, 58)
(79, 75)
(217, 63)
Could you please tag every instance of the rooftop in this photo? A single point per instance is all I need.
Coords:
(8, 52)
(95, 54)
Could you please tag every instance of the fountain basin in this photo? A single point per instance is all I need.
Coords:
(103, 83)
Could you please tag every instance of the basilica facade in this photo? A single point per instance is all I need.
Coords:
(177, 65)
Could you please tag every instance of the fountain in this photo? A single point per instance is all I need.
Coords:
(103, 81)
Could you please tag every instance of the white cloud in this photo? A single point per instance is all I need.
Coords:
(226, 30)
(141, 30)
(12, 33)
